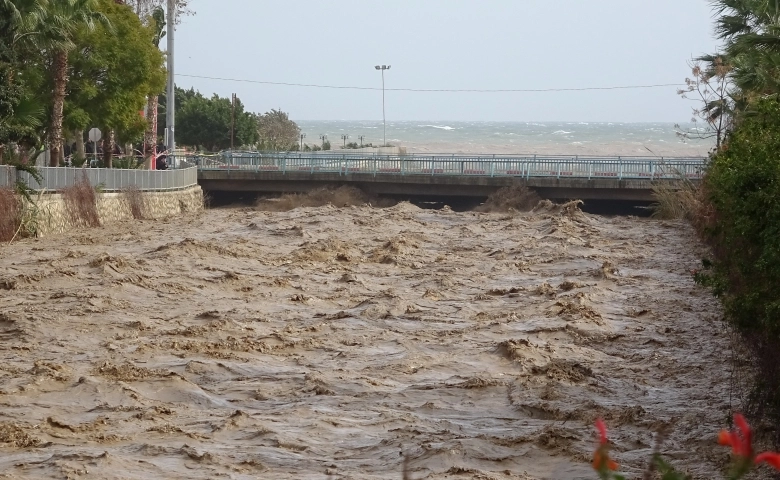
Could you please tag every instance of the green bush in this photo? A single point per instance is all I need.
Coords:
(742, 224)
(743, 185)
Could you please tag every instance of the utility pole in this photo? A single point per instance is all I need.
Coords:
(345, 137)
(171, 100)
(384, 121)
(232, 121)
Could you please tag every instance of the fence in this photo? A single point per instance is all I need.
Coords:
(650, 168)
(111, 179)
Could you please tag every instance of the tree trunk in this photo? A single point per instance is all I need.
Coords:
(80, 153)
(150, 138)
(108, 149)
(60, 68)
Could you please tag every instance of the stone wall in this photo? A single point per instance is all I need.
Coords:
(53, 216)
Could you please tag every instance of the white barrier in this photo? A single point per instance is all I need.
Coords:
(112, 179)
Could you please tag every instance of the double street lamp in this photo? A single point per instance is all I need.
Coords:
(384, 121)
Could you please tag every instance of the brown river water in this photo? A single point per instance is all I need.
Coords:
(330, 342)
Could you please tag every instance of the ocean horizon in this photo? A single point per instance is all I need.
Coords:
(491, 137)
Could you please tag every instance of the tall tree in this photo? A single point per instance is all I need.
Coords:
(751, 32)
(21, 114)
(158, 24)
(113, 73)
(277, 131)
(207, 122)
(62, 21)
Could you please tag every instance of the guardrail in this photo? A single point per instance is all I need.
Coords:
(112, 179)
(650, 168)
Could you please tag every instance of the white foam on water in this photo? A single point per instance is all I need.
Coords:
(445, 127)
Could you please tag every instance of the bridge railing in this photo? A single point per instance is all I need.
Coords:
(112, 179)
(461, 165)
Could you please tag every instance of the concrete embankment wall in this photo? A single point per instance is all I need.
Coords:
(53, 215)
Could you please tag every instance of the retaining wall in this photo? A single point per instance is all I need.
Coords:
(54, 217)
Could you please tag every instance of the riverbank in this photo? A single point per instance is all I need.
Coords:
(324, 341)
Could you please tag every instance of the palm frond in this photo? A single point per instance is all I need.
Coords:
(29, 113)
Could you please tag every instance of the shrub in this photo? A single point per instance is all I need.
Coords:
(81, 203)
(681, 199)
(743, 185)
(743, 228)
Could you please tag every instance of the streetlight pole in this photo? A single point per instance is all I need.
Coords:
(361, 140)
(171, 100)
(384, 120)
(345, 137)
(303, 135)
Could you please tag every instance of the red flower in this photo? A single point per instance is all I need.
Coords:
(601, 460)
(771, 458)
(740, 440)
(602, 428)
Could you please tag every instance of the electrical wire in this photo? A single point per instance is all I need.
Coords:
(467, 90)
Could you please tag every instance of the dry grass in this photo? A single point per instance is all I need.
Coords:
(340, 197)
(136, 201)
(681, 199)
(81, 203)
(10, 214)
(516, 197)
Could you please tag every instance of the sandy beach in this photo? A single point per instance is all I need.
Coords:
(334, 342)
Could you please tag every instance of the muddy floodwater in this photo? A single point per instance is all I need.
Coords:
(336, 342)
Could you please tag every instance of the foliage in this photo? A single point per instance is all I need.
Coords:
(20, 114)
(206, 122)
(112, 77)
(277, 132)
(743, 228)
(681, 199)
(751, 31)
(326, 145)
(145, 8)
(743, 185)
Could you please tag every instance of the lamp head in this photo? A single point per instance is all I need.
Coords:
(378, 67)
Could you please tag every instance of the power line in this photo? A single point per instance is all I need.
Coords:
(467, 90)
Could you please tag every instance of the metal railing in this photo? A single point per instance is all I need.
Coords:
(112, 179)
(590, 167)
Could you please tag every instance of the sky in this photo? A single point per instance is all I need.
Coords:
(448, 44)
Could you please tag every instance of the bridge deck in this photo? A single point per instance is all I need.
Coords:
(616, 178)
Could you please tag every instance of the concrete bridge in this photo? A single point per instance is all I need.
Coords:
(553, 177)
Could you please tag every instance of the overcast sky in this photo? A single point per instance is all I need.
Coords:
(448, 44)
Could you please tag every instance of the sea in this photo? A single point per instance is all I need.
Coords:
(544, 138)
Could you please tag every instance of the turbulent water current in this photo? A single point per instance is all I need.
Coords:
(340, 343)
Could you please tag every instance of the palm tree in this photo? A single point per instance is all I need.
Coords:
(751, 31)
(62, 20)
(159, 24)
(20, 115)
